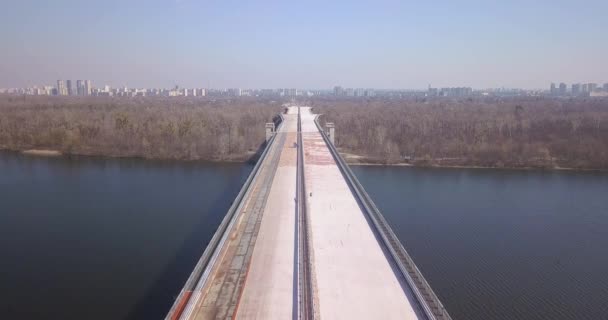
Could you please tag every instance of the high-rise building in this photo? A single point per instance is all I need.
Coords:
(69, 87)
(592, 87)
(292, 92)
(61, 89)
(79, 88)
(553, 89)
(235, 92)
(576, 89)
(585, 88)
(88, 88)
(338, 91)
(201, 92)
(562, 89)
(606, 87)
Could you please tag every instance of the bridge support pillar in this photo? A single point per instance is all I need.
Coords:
(269, 130)
(331, 131)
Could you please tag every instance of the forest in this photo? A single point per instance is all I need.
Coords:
(158, 128)
(483, 131)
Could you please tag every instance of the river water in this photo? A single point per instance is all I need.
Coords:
(93, 238)
(104, 239)
(502, 244)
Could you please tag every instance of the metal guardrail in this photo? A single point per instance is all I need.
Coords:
(427, 299)
(199, 275)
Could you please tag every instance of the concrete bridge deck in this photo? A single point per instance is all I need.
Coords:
(300, 243)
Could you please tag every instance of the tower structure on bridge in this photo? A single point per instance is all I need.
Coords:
(331, 131)
(269, 130)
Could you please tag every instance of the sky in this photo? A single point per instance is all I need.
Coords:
(304, 44)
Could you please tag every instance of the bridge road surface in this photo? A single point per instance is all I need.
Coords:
(353, 278)
(253, 277)
(270, 291)
(255, 274)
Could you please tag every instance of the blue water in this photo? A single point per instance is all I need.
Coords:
(95, 238)
(502, 244)
(104, 239)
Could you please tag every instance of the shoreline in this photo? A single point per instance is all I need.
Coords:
(50, 153)
(42, 153)
(351, 160)
(356, 160)
(401, 164)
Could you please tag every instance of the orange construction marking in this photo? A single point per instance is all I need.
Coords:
(182, 305)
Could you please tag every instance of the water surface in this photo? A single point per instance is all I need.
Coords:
(502, 244)
(104, 239)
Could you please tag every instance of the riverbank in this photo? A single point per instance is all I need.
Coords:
(42, 152)
(193, 129)
(250, 157)
(525, 132)
(359, 160)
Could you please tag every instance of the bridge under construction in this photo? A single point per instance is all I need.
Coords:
(303, 240)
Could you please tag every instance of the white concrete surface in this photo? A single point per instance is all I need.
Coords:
(269, 288)
(354, 279)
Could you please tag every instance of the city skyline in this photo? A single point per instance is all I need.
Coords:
(270, 44)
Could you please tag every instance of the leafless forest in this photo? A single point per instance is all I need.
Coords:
(178, 128)
(487, 132)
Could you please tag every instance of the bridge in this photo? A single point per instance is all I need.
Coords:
(303, 240)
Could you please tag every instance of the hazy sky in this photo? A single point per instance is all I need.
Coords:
(305, 44)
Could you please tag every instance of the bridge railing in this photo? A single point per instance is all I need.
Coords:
(426, 297)
(200, 272)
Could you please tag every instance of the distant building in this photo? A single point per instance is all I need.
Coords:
(88, 89)
(455, 92)
(585, 88)
(338, 91)
(291, 92)
(553, 89)
(576, 89)
(235, 92)
(592, 87)
(350, 92)
(562, 89)
(61, 89)
(69, 87)
(201, 92)
(79, 88)
(370, 93)
(606, 87)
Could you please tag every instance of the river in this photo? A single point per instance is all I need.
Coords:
(92, 238)
(502, 244)
(104, 238)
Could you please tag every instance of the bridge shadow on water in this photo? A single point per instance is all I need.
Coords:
(155, 304)
(159, 298)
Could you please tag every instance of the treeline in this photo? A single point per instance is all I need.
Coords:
(488, 132)
(175, 128)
